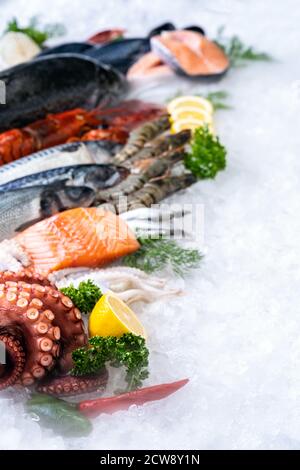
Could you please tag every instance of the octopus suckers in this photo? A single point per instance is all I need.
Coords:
(12, 289)
(26, 286)
(24, 294)
(22, 302)
(27, 379)
(11, 296)
(32, 313)
(55, 333)
(39, 288)
(77, 313)
(42, 327)
(50, 315)
(38, 372)
(36, 303)
(67, 302)
(46, 360)
(46, 344)
(54, 294)
(11, 284)
(56, 350)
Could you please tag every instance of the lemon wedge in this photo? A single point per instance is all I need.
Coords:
(190, 112)
(190, 101)
(190, 123)
(112, 317)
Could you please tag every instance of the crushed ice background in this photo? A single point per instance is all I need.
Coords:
(236, 333)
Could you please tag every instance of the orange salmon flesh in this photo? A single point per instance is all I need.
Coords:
(81, 237)
(193, 52)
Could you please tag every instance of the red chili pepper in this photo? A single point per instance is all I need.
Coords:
(110, 405)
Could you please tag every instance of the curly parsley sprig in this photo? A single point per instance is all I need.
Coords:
(207, 155)
(85, 296)
(129, 351)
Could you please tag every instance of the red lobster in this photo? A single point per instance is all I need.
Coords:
(76, 124)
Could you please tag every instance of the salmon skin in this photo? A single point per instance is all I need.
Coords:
(190, 53)
(88, 237)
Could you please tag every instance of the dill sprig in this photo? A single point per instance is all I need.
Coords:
(85, 296)
(207, 155)
(157, 253)
(217, 99)
(38, 34)
(129, 351)
(237, 52)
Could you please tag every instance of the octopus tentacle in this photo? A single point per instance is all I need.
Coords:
(39, 326)
(24, 318)
(11, 371)
(72, 385)
(67, 318)
(25, 275)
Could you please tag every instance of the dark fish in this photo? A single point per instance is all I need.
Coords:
(24, 207)
(120, 54)
(67, 155)
(67, 48)
(171, 27)
(95, 177)
(56, 83)
(197, 29)
(163, 27)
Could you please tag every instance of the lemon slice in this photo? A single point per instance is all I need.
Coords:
(112, 317)
(188, 123)
(190, 101)
(191, 113)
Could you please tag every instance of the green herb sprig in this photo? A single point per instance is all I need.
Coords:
(85, 296)
(157, 253)
(38, 34)
(217, 99)
(207, 155)
(129, 351)
(237, 52)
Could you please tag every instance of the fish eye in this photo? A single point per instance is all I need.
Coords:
(76, 193)
(100, 174)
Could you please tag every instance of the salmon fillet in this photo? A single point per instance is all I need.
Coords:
(191, 52)
(78, 237)
(149, 64)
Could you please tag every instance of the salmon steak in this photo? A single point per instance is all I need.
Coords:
(149, 65)
(81, 237)
(190, 53)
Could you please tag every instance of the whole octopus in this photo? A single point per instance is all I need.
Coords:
(39, 328)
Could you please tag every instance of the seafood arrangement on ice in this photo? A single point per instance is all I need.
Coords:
(81, 169)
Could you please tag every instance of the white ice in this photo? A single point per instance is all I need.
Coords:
(236, 334)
